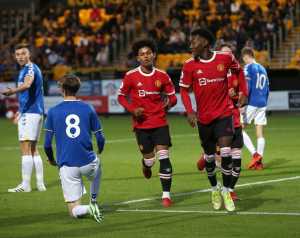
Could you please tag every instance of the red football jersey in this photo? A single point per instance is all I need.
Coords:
(239, 84)
(147, 91)
(208, 79)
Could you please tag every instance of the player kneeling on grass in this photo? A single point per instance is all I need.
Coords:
(71, 123)
(151, 93)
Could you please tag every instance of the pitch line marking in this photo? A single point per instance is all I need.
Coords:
(209, 212)
(208, 190)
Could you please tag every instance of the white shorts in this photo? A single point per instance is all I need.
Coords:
(29, 126)
(256, 113)
(71, 179)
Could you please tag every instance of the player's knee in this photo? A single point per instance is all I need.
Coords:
(165, 170)
(225, 152)
(149, 162)
(236, 153)
(162, 154)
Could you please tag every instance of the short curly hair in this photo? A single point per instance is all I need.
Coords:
(143, 43)
(205, 33)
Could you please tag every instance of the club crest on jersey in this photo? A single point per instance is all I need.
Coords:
(157, 83)
(220, 67)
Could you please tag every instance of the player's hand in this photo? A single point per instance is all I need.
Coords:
(8, 92)
(192, 119)
(52, 162)
(166, 104)
(231, 92)
(242, 100)
(138, 112)
(16, 118)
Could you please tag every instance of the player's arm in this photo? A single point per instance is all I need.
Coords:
(28, 80)
(243, 89)
(98, 131)
(185, 83)
(49, 132)
(48, 147)
(169, 91)
(122, 98)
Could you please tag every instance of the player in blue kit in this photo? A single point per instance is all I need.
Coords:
(31, 109)
(258, 88)
(71, 123)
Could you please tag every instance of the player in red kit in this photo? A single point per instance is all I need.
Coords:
(207, 73)
(238, 92)
(147, 93)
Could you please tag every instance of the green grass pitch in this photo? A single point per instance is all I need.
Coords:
(270, 208)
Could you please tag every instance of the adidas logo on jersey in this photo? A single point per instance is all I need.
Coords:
(199, 71)
(139, 84)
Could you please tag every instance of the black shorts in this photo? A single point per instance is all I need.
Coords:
(237, 141)
(210, 133)
(147, 139)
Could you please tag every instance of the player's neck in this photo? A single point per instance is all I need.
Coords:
(146, 69)
(70, 98)
(206, 55)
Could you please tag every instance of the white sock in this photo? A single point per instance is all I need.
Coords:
(27, 165)
(80, 210)
(95, 185)
(248, 143)
(38, 164)
(261, 145)
(166, 195)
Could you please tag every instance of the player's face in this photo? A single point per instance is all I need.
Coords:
(22, 56)
(226, 49)
(198, 44)
(146, 57)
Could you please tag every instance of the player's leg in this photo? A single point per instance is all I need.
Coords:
(36, 125)
(260, 121)
(162, 140)
(246, 118)
(93, 173)
(208, 144)
(224, 132)
(236, 151)
(146, 147)
(26, 168)
(38, 165)
(73, 190)
(26, 155)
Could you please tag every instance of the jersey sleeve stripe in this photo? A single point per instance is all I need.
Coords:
(184, 85)
(45, 129)
(171, 93)
(97, 131)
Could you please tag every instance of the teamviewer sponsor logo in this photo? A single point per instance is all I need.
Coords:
(205, 81)
(142, 93)
(202, 81)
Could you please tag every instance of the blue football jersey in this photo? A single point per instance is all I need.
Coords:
(31, 100)
(258, 84)
(72, 123)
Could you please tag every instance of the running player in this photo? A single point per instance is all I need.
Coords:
(147, 93)
(30, 117)
(71, 123)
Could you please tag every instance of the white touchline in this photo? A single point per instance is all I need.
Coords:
(208, 190)
(209, 212)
